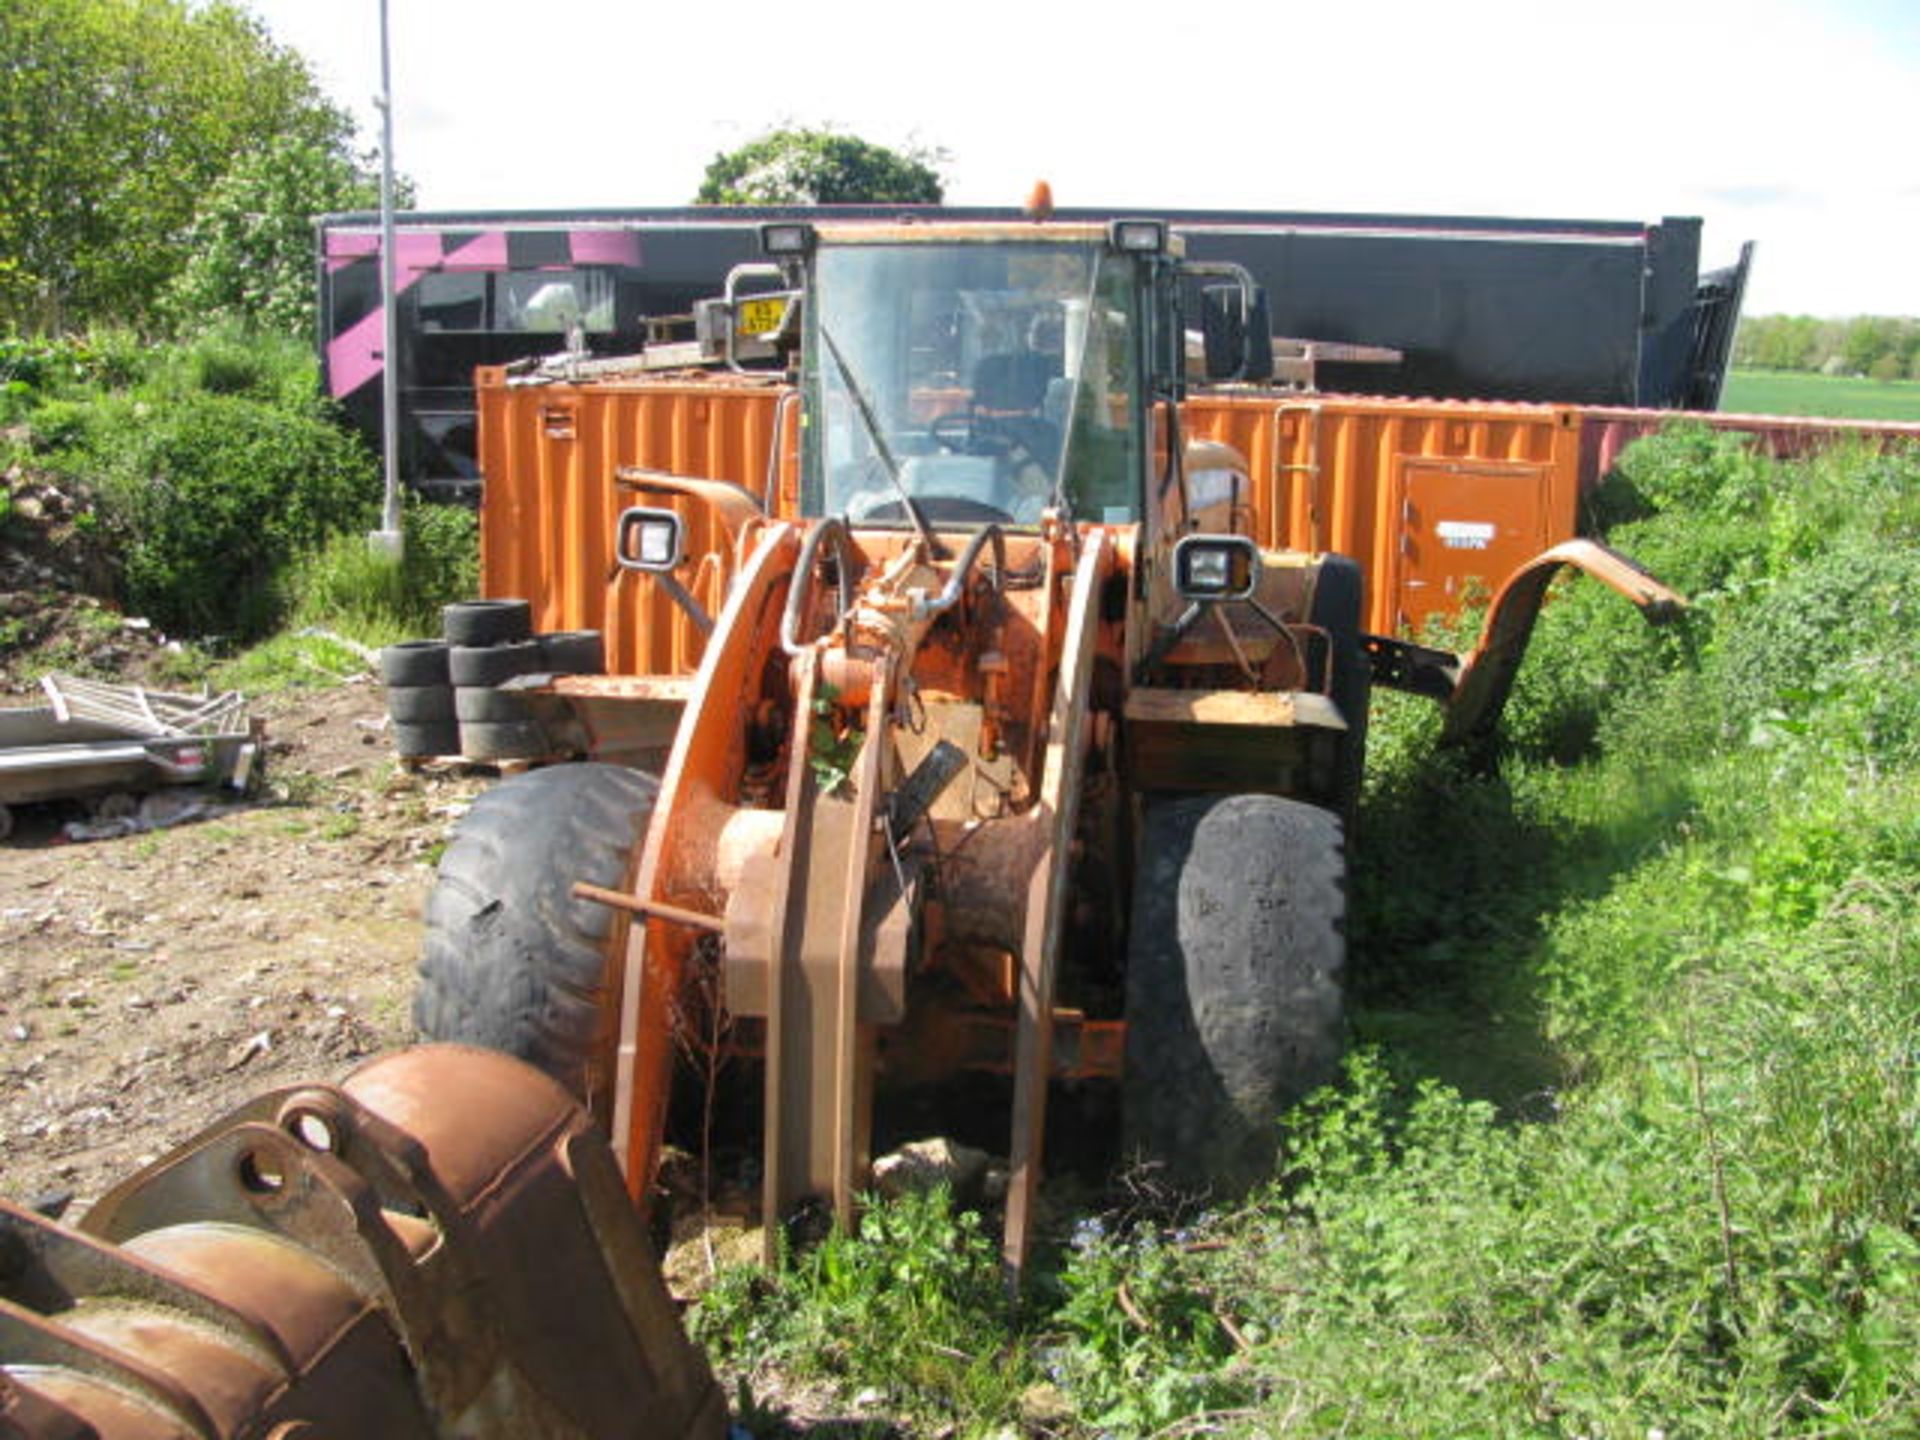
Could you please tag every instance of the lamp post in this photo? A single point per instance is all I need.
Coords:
(388, 537)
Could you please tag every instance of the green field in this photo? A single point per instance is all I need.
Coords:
(1790, 392)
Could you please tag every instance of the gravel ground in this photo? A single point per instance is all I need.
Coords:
(150, 982)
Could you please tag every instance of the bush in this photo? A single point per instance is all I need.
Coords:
(31, 370)
(1829, 649)
(212, 496)
(442, 560)
(214, 462)
(1148, 1336)
(911, 1305)
(1694, 470)
(228, 360)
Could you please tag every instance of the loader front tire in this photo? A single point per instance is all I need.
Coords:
(1235, 964)
(1337, 610)
(512, 960)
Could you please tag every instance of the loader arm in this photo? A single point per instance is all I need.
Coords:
(669, 889)
(1046, 898)
(1474, 688)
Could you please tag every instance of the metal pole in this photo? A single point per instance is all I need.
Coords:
(388, 536)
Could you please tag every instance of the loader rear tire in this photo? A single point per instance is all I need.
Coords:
(1236, 957)
(512, 961)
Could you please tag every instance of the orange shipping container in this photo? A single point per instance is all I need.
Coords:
(550, 455)
(1435, 499)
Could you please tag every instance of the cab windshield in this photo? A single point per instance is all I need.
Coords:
(988, 380)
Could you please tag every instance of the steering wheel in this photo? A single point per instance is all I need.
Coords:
(962, 432)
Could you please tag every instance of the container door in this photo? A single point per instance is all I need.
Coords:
(1466, 526)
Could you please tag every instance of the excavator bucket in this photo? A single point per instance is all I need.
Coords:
(370, 1259)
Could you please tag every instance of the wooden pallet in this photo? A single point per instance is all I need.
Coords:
(414, 764)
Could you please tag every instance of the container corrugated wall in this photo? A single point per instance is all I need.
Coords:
(551, 501)
(1435, 499)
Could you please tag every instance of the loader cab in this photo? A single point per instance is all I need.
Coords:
(989, 372)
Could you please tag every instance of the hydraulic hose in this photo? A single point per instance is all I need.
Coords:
(801, 589)
(956, 583)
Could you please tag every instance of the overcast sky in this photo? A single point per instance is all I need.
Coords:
(1787, 122)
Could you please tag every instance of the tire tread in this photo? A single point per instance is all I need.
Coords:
(511, 960)
(1236, 962)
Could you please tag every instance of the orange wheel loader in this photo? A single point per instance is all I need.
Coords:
(1009, 751)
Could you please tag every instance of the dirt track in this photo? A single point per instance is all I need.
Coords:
(150, 982)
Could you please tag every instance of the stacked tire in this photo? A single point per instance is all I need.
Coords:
(420, 702)
(444, 696)
(489, 643)
(573, 652)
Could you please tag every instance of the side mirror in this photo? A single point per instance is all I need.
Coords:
(1237, 332)
(1215, 567)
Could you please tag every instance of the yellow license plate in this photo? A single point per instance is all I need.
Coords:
(760, 317)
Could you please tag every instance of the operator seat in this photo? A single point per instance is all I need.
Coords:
(1009, 391)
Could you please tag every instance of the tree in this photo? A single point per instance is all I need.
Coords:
(1867, 338)
(820, 167)
(117, 118)
(1777, 342)
(1884, 346)
(250, 249)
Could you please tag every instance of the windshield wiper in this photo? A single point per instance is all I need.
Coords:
(864, 409)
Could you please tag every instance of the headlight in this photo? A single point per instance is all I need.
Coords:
(786, 237)
(1215, 567)
(1210, 570)
(648, 539)
(1138, 237)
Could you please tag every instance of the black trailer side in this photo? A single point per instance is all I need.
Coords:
(1572, 311)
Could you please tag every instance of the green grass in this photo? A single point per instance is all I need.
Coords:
(288, 661)
(1786, 392)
